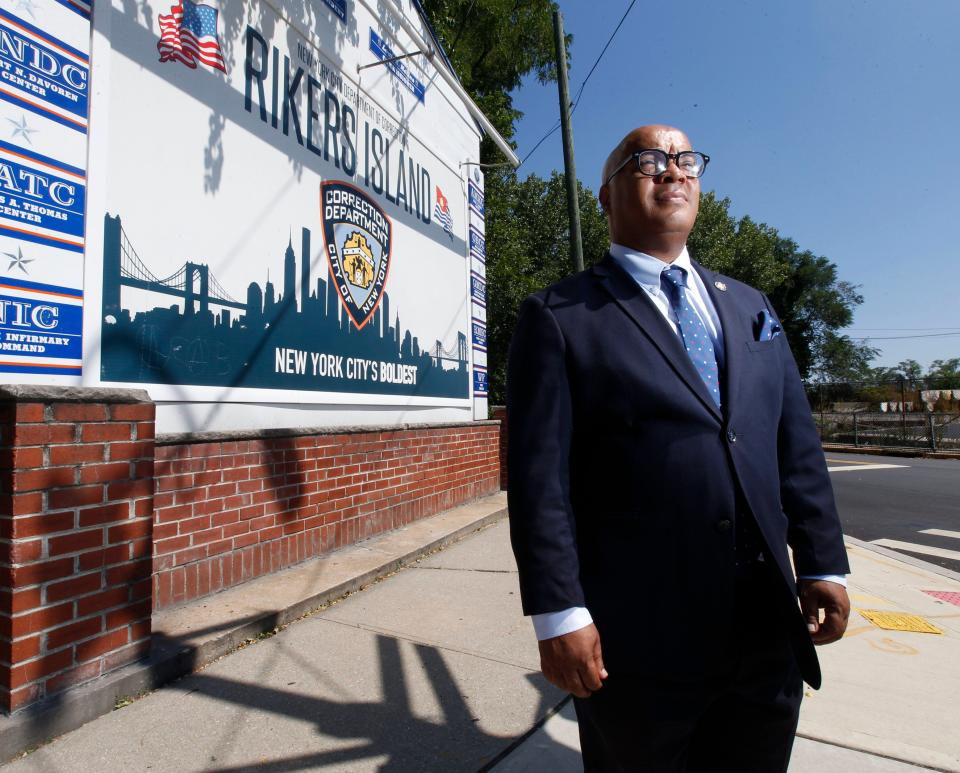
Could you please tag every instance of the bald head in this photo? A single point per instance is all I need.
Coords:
(655, 135)
(652, 214)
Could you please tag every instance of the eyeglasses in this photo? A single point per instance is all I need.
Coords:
(652, 162)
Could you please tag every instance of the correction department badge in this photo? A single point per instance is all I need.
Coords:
(357, 236)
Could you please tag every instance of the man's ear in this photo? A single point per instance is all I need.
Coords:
(604, 197)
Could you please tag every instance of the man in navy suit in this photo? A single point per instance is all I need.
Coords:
(662, 457)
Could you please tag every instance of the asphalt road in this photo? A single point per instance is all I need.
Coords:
(904, 504)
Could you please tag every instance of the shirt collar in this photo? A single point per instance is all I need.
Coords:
(646, 269)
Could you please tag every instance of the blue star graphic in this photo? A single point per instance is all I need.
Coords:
(18, 260)
(27, 6)
(22, 129)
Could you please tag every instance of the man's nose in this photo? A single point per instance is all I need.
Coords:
(673, 172)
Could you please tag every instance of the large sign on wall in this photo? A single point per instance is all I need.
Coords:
(44, 75)
(268, 221)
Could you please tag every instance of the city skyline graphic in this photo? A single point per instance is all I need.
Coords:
(206, 337)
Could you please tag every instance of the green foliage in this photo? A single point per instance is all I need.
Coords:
(909, 370)
(528, 248)
(492, 45)
(813, 303)
(945, 369)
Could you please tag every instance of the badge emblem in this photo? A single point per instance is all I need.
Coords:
(357, 235)
(721, 286)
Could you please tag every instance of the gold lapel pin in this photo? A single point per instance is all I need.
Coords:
(720, 286)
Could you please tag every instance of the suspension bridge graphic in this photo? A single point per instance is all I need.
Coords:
(130, 271)
(209, 337)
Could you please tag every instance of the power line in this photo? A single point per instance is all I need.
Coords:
(613, 34)
(900, 329)
(582, 85)
(542, 140)
(895, 338)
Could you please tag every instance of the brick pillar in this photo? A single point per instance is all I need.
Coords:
(499, 412)
(76, 523)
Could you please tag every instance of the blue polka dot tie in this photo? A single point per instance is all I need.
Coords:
(693, 332)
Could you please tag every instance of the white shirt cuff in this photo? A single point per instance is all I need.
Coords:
(839, 579)
(551, 624)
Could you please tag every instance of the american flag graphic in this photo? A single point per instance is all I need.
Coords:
(441, 212)
(189, 33)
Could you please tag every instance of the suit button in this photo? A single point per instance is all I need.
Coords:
(724, 525)
(731, 436)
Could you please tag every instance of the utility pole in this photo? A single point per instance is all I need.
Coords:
(573, 203)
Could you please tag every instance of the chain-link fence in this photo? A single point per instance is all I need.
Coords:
(905, 413)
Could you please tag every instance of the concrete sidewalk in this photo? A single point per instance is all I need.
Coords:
(890, 700)
(435, 669)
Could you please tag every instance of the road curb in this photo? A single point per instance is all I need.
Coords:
(809, 736)
(170, 660)
(897, 556)
(911, 453)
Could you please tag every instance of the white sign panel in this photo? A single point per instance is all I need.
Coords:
(44, 75)
(270, 217)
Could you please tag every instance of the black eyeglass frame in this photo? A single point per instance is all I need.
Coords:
(675, 157)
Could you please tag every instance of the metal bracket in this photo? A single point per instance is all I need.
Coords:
(389, 60)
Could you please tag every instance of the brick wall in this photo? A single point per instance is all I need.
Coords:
(101, 523)
(499, 412)
(76, 486)
(229, 511)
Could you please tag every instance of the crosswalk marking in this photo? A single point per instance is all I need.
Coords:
(848, 461)
(912, 547)
(868, 467)
(941, 533)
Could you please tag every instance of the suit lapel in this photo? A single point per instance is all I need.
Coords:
(635, 303)
(733, 348)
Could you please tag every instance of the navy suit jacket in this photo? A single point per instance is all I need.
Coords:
(625, 477)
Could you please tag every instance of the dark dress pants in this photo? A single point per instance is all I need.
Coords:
(743, 719)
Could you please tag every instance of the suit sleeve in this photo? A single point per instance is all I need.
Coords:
(539, 416)
(814, 532)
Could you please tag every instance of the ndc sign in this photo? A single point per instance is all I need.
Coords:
(36, 66)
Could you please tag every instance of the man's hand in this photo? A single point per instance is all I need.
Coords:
(832, 598)
(573, 661)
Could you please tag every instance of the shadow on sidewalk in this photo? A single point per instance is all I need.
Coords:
(384, 729)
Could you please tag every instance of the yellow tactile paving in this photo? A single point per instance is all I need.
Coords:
(899, 621)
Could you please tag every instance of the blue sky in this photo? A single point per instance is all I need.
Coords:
(834, 122)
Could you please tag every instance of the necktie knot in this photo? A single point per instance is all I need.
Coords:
(675, 275)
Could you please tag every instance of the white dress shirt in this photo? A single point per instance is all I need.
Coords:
(645, 270)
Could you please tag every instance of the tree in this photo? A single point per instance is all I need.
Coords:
(948, 370)
(528, 223)
(492, 45)
(840, 359)
(909, 370)
(812, 302)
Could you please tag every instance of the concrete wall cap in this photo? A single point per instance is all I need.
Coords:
(34, 393)
(184, 438)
